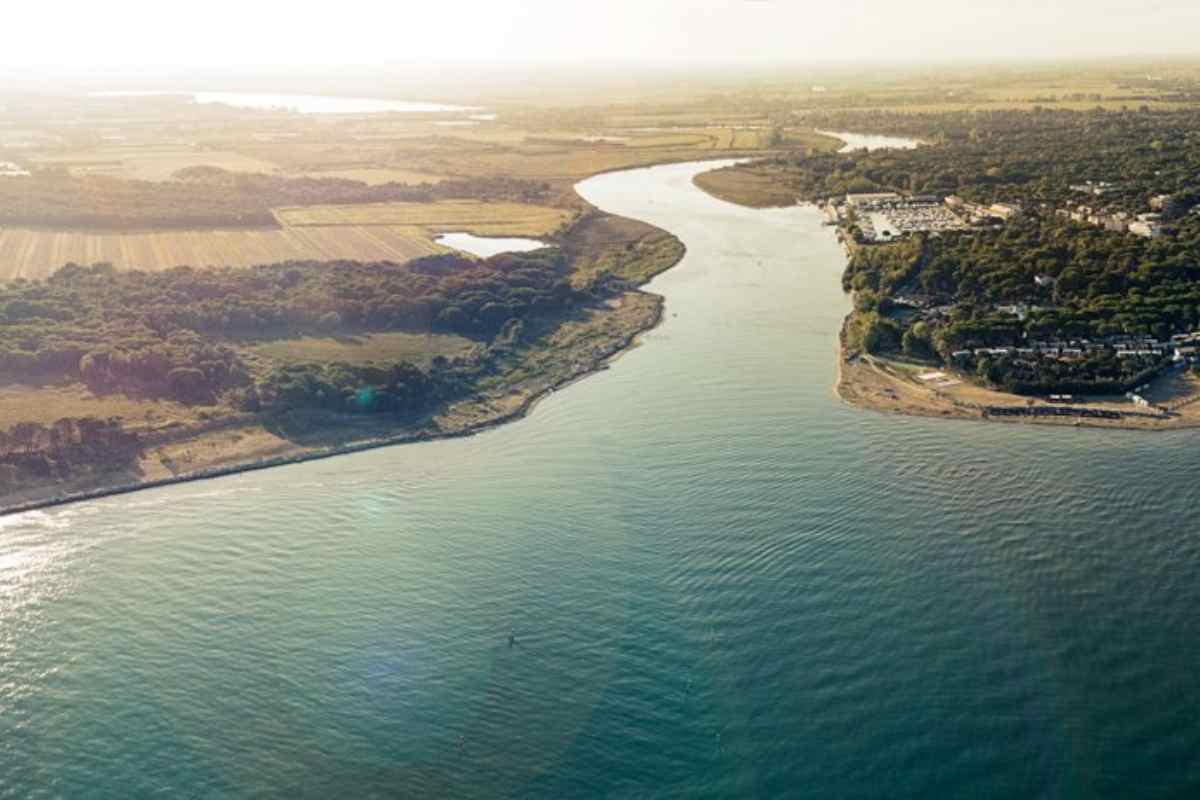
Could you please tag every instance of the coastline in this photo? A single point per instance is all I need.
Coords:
(891, 387)
(600, 361)
(864, 382)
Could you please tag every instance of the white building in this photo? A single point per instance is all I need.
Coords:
(1146, 229)
(1005, 211)
(870, 198)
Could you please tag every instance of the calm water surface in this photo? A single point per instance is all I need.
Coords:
(869, 141)
(722, 582)
(302, 103)
(488, 246)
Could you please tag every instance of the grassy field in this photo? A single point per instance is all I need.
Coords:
(621, 247)
(151, 163)
(566, 163)
(375, 348)
(481, 218)
(46, 404)
(746, 185)
(759, 187)
(36, 254)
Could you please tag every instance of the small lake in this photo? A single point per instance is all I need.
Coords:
(301, 103)
(868, 141)
(488, 246)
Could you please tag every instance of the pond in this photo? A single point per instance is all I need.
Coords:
(870, 141)
(488, 246)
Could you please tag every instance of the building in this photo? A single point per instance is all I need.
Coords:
(1146, 229)
(1164, 203)
(870, 198)
(1045, 281)
(1092, 187)
(1019, 310)
(1005, 211)
(1117, 223)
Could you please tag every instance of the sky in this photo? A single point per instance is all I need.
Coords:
(84, 34)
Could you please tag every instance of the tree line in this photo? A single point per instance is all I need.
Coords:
(63, 448)
(176, 333)
(1033, 157)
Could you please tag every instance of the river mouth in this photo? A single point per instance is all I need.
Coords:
(717, 580)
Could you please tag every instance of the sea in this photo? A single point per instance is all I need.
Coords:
(696, 574)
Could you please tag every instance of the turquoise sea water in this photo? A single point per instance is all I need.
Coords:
(722, 583)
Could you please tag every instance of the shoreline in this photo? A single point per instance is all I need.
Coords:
(489, 413)
(599, 364)
(863, 382)
(884, 386)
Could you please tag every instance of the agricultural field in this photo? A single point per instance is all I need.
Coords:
(564, 163)
(36, 254)
(367, 232)
(471, 216)
(544, 157)
(137, 162)
(374, 348)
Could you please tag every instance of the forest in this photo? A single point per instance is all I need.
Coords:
(1031, 157)
(1103, 283)
(174, 333)
(65, 448)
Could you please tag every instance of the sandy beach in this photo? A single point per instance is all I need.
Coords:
(895, 387)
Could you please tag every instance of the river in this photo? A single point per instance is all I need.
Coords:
(720, 582)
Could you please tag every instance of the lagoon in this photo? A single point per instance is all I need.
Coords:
(299, 103)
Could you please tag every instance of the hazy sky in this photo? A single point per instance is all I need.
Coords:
(215, 33)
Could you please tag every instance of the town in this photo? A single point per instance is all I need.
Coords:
(1029, 357)
(881, 217)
